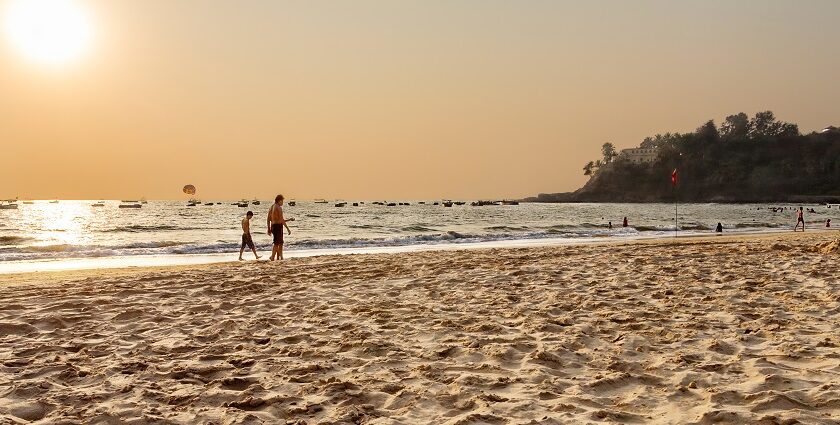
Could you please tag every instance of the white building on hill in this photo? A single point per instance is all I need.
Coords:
(639, 155)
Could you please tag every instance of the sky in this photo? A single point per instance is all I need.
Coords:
(393, 99)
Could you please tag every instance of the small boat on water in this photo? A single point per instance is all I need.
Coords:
(209, 203)
(98, 204)
(8, 205)
(341, 204)
(506, 202)
(292, 203)
(447, 204)
(255, 202)
(54, 201)
(193, 202)
(130, 205)
(28, 202)
(321, 201)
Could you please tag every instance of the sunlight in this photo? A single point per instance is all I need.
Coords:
(64, 222)
(48, 31)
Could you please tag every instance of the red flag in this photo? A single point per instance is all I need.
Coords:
(674, 177)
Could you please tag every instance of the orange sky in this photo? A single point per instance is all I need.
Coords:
(394, 100)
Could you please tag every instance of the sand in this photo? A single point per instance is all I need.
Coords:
(726, 330)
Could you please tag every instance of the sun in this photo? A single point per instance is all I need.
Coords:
(48, 31)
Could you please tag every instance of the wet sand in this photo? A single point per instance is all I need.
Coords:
(740, 329)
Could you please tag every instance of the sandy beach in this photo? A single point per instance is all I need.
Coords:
(734, 329)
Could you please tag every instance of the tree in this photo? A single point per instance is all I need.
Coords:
(608, 150)
(708, 132)
(764, 124)
(587, 169)
(736, 127)
(788, 130)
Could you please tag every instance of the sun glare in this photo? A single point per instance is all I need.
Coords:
(48, 31)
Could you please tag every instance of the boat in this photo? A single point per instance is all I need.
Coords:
(8, 205)
(460, 203)
(321, 201)
(130, 205)
(447, 204)
(209, 203)
(98, 204)
(292, 203)
(341, 204)
(355, 204)
(54, 201)
(392, 204)
(506, 202)
(255, 202)
(28, 202)
(143, 201)
(193, 202)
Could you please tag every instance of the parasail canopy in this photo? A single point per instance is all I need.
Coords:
(189, 189)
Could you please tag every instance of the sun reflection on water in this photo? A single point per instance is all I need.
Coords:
(64, 223)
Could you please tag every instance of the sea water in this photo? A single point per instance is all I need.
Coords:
(41, 230)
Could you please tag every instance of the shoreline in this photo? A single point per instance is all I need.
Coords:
(145, 261)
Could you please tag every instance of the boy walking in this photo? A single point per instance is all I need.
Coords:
(246, 236)
(275, 222)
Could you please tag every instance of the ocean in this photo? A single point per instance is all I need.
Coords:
(41, 230)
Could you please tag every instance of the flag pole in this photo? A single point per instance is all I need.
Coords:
(676, 201)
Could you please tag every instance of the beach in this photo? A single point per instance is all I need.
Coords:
(730, 329)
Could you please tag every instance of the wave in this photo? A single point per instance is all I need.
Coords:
(507, 228)
(137, 228)
(417, 228)
(364, 226)
(13, 240)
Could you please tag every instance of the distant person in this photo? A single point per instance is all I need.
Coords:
(719, 228)
(246, 236)
(800, 218)
(610, 225)
(275, 222)
(625, 222)
(828, 222)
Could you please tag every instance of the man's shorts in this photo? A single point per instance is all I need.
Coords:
(277, 232)
(247, 241)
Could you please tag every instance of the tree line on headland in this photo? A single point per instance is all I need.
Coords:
(758, 159)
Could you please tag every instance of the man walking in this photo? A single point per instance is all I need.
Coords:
(276, 222)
